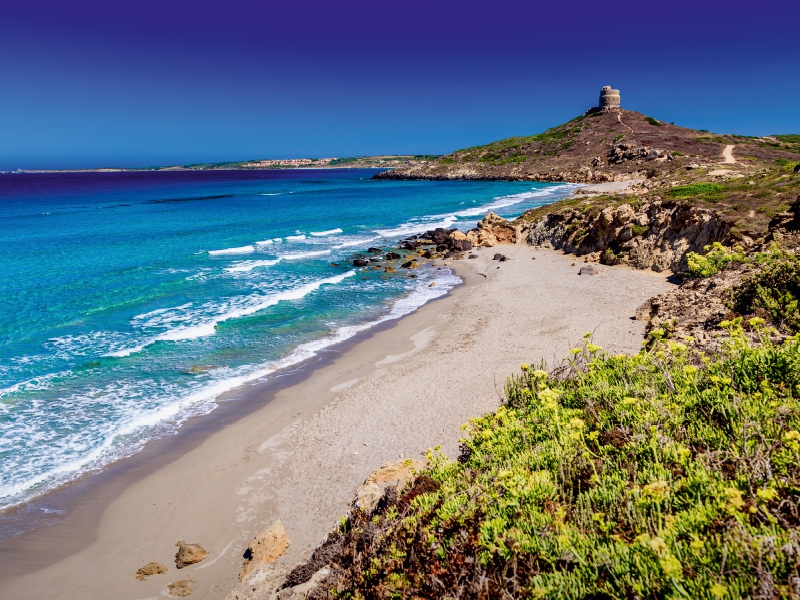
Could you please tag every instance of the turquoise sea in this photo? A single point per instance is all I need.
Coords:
(129, 301)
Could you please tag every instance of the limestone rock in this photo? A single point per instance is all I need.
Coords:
(388, 269)
(411, 264)
(457, 235)
(151, 568)
(266, 547)
(188, 554)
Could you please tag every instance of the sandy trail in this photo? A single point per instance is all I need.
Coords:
(301, 456)
(727, 155)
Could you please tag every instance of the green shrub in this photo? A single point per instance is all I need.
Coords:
(714, 260)
(639, 229)
(677, 153)
(653, 121)
(694, 189)
(773, 291)
(646, 476)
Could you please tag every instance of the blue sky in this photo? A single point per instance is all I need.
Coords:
(91, 84)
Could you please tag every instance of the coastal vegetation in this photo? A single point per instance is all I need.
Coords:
(665, 474)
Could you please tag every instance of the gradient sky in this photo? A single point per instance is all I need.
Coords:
(88, 83)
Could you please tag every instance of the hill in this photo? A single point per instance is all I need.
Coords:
(613, 145)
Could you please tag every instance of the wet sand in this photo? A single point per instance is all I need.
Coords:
(297, 447)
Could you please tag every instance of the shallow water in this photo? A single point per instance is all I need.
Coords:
(129, 301)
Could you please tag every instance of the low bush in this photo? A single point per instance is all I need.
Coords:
(648, 476)
(715, 259)
(773, 291)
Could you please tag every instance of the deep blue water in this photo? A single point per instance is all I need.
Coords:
(129, 301)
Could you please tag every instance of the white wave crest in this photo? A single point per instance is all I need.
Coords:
(239, 250)
(301, 255)
(249, 265)
(324, 233)
(296, 238)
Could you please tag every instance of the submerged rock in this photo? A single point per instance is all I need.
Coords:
(189, 554)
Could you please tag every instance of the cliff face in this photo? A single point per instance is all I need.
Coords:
(654, 235)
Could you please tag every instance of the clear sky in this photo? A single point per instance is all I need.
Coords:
(116, 83)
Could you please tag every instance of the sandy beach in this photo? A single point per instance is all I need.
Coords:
(302, 449)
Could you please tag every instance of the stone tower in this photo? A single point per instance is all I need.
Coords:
(609, 98)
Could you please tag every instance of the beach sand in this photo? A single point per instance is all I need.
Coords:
(301, 453)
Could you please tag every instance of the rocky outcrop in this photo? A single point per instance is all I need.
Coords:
(389, 475)
(265, 548)
(655, 235)
(786, 222)
(621, 153)
(492, 230)
(189, 554)
(693, 310)
(269, 582)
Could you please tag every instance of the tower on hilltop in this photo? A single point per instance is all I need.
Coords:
(608, 98)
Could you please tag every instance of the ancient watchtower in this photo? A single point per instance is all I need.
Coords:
(609, 98)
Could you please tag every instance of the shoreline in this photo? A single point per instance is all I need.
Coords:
(296, 447)
(231, 405)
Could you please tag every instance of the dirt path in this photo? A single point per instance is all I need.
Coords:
(727, 154)
(619, 118)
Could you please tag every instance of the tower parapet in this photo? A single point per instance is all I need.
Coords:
(609, 98)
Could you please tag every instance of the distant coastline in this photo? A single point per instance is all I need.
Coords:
(389, 161)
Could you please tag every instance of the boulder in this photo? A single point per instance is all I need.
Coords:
(393, 256)
(188, 554)
(150, 569)
(388, 269)
(373, 250)
(457, 235)
(499, 256)
(590, 269)
(360, 262)
(265, 548)
(473, 256)
(462, 245)
(412, 264)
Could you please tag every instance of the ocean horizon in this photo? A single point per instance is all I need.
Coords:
(132, 300)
